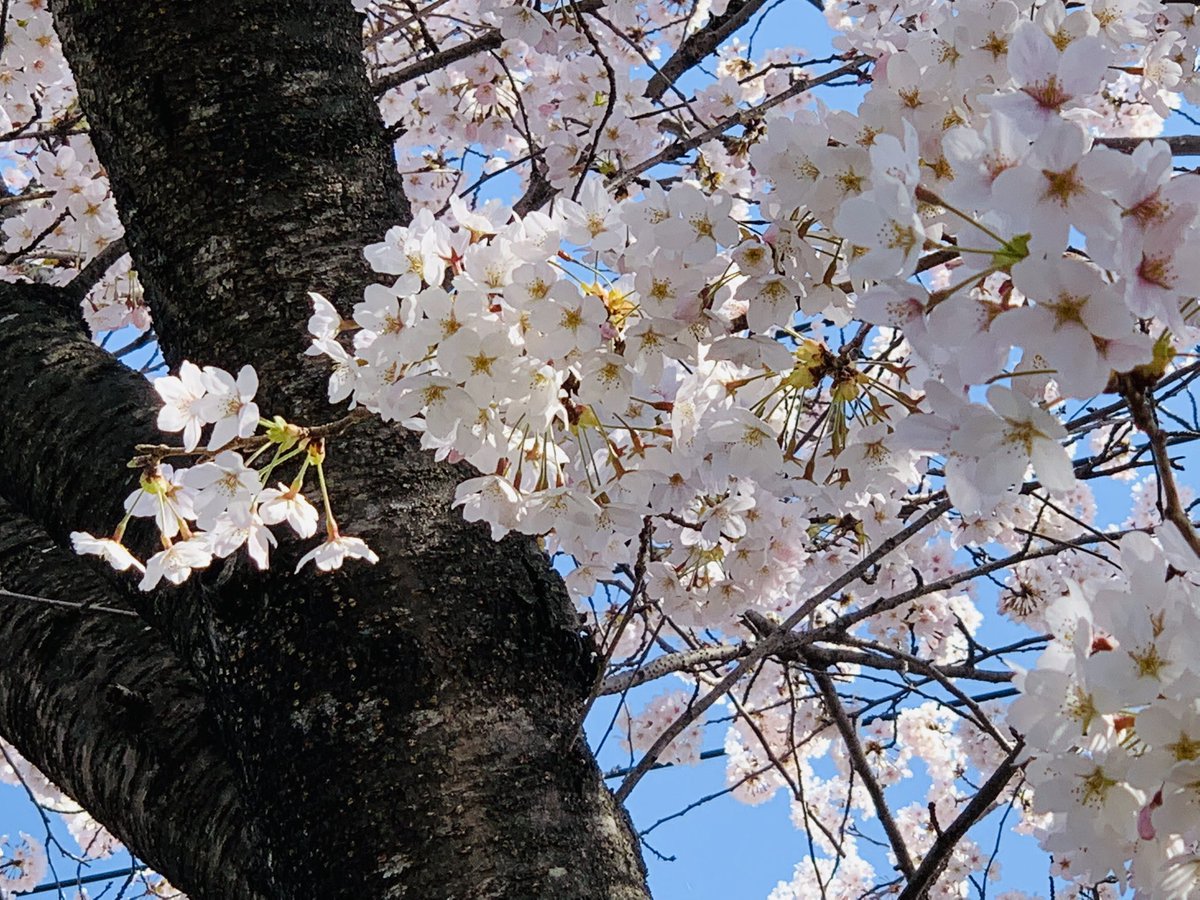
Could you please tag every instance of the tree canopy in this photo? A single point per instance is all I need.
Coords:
(852, 389)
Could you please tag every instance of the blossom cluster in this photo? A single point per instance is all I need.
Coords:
(23, 864)
(222, 504)
(1115, 767)
(678, 356)
(546, 94)
(67, 214)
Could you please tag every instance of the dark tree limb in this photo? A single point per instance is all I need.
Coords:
(862, 766)
(935, 861)
(157, 778)
(488, 40)
(701, 44)
(69, 417)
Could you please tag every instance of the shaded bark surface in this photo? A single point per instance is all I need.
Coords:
(97, 699)
(403, 730)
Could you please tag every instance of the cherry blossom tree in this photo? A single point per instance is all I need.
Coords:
(813, 394)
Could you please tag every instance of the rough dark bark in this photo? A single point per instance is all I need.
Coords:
(98, 700)
(404, 730)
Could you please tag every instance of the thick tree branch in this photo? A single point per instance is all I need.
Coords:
(696, 48)
(94, 271)
(154, 775)
(249, 165)
(70, 418)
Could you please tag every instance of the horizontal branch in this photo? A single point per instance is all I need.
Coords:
(1180, 144)
(488, 40)
(685, 660)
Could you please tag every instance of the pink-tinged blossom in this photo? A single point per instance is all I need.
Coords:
(1056, 187)
(241, 526)
(1021, 434)
(491, 499)
(885, 232)
(1147, 193)
(325, 321)
(978, 157)
(229, 404)
(164, 497)
(1078, 324)
(1048, 82)
(1163, 274)
(219, 484)
(646, 727)
(23, 864)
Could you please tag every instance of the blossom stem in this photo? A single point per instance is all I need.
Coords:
(331, 528)
(928, 196)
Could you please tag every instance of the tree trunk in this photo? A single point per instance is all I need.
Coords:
(409, 729)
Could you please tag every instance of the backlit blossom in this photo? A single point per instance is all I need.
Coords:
(334, 551)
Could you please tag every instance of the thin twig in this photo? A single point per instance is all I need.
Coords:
(69, 604)
(774, 643)
(677, 148)
(1180, 144)
(150, 455)
(1142, 409)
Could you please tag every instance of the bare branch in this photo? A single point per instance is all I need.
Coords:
(858, 760)
(488, 40)
(1180, 144)
(774, 643)
(696, 48)
(1142, 409)
(677, 148)
(935, 860)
